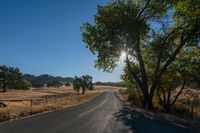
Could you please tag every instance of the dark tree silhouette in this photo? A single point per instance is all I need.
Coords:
(84, 82)
(11, 78)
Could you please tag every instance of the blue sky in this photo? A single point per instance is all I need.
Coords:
(43, 37)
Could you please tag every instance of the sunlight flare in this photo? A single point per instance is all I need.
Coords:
(123, 56)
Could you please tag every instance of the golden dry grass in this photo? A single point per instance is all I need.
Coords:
(37, 93)
(34, 93)
(181, 108)
(15, 110)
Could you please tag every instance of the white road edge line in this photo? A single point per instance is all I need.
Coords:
(82, 114)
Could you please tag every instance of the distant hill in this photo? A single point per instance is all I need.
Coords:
(117, 84)
(47, 80)
(51, 81)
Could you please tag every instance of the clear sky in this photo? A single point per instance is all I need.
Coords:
(43, 37)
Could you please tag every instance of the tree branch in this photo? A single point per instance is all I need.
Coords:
(141, 64)
(181, 90)
(184, 39)
(146, 5)
(172, 57)
(160, 98)
(134, 75)
(169, 96)
(161, 50)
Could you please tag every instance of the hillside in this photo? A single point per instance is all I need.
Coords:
(47, 80)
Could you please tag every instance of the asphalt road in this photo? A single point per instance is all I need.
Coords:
(105, 114)
(96, 116)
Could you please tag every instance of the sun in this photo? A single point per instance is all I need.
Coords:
(123, 56)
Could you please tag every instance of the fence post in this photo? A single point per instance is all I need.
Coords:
(55, 99)
(71, 99)
(31, 102)
(62, 99)
(46, 100)
(66, 99)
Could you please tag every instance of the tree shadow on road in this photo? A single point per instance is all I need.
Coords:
(147, 122)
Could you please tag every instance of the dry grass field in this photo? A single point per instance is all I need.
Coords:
(37, 93)
(187, 105)
(34, 93)
(23, 103)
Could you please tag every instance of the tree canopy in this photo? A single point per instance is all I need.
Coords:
(84, 82)
(11, 78)
(153, 34)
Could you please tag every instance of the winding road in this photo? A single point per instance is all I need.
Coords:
(105, 114)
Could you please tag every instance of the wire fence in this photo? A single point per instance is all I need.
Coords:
(67, 98)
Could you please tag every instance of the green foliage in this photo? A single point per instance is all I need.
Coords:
(23, 85)
(187, 11)
(188, 64)
(77, 83)
(127, 80)
(67, 84)
(154, 34)
(11, 78)
(54, 83)
(115, 26)
(84, 82)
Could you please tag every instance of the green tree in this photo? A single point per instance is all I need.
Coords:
(67, 84)
(168, 85)
(182, 72)
(77, 83)
(11, 78)
(54, 83)
(23, 85)
(84, 82)
(128, 26)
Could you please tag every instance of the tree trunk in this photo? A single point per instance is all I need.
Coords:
(4, 88)
(147, 103)
(159, 98)
(179, 93)
(83, 90)
(167, 109)
(171, 58)
(150, 103)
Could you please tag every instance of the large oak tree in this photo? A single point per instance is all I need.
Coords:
(11, 78)
(163, 28)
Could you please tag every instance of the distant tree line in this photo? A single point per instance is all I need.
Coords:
(117, 84)
(11, 78)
